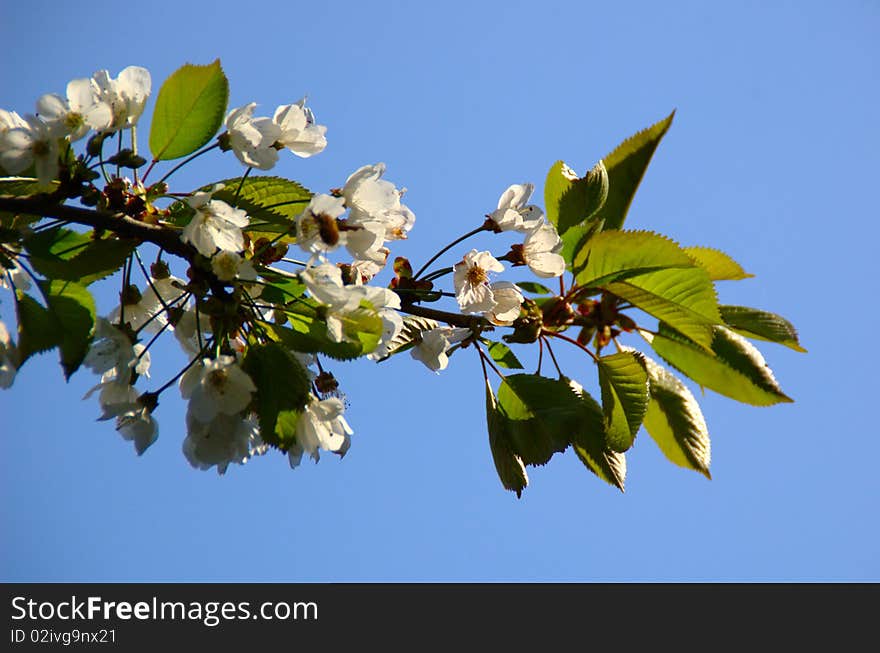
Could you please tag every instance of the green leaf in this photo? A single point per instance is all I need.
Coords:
(503, 356)
(626, 166)
(684, 297)
(21, 187)
(509, 466)
(761, 325)
(719, 265)
(272, 204)
(614, 255)
(283, 389)
(675, 422)
(37, 331)
(534, 288)
(589, 442)
(307, 333)
(570, 201)
(733, 367)
(24, 186)
(189, 110)
(273, 200)
(68, 255)
(624, 384)
(74, 308)
(542, 413)
(410, 334)
(281, 289)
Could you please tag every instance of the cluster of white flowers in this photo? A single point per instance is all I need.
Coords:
(99, 103)
(148, 310)
(220, 429)
(375, 215)
(256, 141)
(362, 218)
(540, 251)
(118, 360)
(500, 301)
(215, 225)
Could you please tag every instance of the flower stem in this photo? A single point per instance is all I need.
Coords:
(553, 334)
(475, 322)
(553, 356)
(455, 242)
(173, 380)
(184, 162)
(241, 184)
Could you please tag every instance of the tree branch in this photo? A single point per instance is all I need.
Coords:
(455, 319)
(118, 223)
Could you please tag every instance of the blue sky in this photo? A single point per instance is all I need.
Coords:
(772, 157)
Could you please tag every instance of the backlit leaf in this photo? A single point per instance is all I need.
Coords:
(683, 297)
(283, 389)
(624, 384)
(590, 445)
(569, 200)
(675, 422)
(626, 166)
(719, 265)
(69, 255)
(189, 110)
(509, 466)
(733, 367)
(614, 255)
(503, 356)
(542, 415)
(752, 323)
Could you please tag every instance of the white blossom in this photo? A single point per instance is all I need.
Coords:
(10, 120)
(35, 143)
(112, 349)
(541, 252)
(225, 439)
(386, 302)
(148, 309)
(229, 266)
(371, 199)
(508, 300)
(299, 133)
(324, 283)
(126, 95)
(364, 242)
(316, 227)
(434, 343)
(83, 109)
(513, 214)
(320, 426)
(139, 427)
(252, 139)
(215, 225)
(116, 395)
(217, 386)
(362, 271)
(471, 281)
(186, 330)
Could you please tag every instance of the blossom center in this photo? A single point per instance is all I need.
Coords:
(477, 275)
(40, 148)
(217, 380)
(74, 121)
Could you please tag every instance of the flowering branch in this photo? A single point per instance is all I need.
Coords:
(166, 238)
(252, 330)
